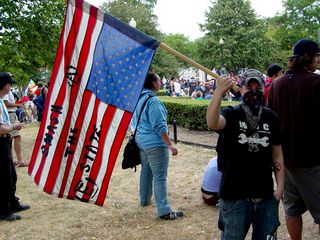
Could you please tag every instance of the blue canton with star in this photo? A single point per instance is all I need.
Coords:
(120, 65)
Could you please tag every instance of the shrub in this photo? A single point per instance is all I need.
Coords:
(188, 113)
(161, 92)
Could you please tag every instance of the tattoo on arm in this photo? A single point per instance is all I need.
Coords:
(276, 167)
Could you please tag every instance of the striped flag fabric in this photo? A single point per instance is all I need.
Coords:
(99, 70)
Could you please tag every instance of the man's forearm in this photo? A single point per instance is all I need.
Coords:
(213, 112)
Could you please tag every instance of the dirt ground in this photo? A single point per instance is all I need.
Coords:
(121, 217)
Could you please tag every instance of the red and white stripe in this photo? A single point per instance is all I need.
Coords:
(56, 174)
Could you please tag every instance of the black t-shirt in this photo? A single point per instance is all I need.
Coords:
(244, 158)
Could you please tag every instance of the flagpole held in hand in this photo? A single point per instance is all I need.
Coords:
(191, 62)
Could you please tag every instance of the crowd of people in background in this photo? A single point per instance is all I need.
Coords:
(204, 90)
(29, 107)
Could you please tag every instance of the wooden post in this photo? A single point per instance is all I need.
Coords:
(175, 135)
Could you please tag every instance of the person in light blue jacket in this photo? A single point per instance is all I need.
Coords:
(154, 144)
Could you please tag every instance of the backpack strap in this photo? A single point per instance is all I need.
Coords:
(143, 105)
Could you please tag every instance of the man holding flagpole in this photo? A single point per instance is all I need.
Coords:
(249, 150)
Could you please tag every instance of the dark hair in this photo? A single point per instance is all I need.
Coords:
(300, 62)
(40, 84)
(151, 77)
(2, 84)
(273, 69)
(42, 90)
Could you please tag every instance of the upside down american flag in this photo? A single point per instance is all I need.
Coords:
(98, 74)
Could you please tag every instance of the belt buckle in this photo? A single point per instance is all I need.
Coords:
(256, 200)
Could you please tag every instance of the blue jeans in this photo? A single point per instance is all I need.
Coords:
(236, 216)
(154, 169)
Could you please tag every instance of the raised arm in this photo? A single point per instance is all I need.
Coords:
(214, 120)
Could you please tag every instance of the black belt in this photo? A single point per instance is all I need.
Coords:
(5, 135)
(255, 200)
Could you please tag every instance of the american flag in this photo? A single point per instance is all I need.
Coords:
(100, 67)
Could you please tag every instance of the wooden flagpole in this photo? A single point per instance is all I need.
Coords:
(191, 62)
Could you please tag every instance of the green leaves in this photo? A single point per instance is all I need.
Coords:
(245, 41)
(31, 31)
(30, 37)
(301, 19)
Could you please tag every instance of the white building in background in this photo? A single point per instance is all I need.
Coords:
(194, 73)
(189, 73)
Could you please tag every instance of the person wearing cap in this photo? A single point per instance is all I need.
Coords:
(274, 71)
(12, 106)
(295, 96)
(9, 203)
(249, 152)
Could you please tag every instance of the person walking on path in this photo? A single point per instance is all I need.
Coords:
(249, 151)
(9, 202)
(295, 97)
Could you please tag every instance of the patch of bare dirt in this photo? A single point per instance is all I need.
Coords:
(207, 139)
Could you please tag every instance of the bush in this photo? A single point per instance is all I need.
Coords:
(161, 92)
(188, 113)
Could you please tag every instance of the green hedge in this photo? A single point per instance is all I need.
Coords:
(188, 113)
(162, 92)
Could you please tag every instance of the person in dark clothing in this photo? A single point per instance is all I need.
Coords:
(40, 102)
(9, 203)
(249, 151)
(274, 71)
(295, 97)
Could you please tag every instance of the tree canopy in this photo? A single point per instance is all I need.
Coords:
(29, 36)
(243, 34)
(300, 19)
(30, 31)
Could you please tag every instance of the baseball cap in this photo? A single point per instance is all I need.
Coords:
(251, 74)
(305, 46)
(273, 69)
(7, 78)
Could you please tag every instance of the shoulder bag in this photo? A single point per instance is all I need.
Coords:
(131, 154)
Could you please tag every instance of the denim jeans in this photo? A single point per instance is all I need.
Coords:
(154, 169)
(236, 216)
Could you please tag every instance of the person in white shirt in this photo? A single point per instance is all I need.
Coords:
(211, 183)
(9, 101)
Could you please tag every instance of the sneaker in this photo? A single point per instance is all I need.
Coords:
(9, 217)
(20, 207)
(171, 216)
